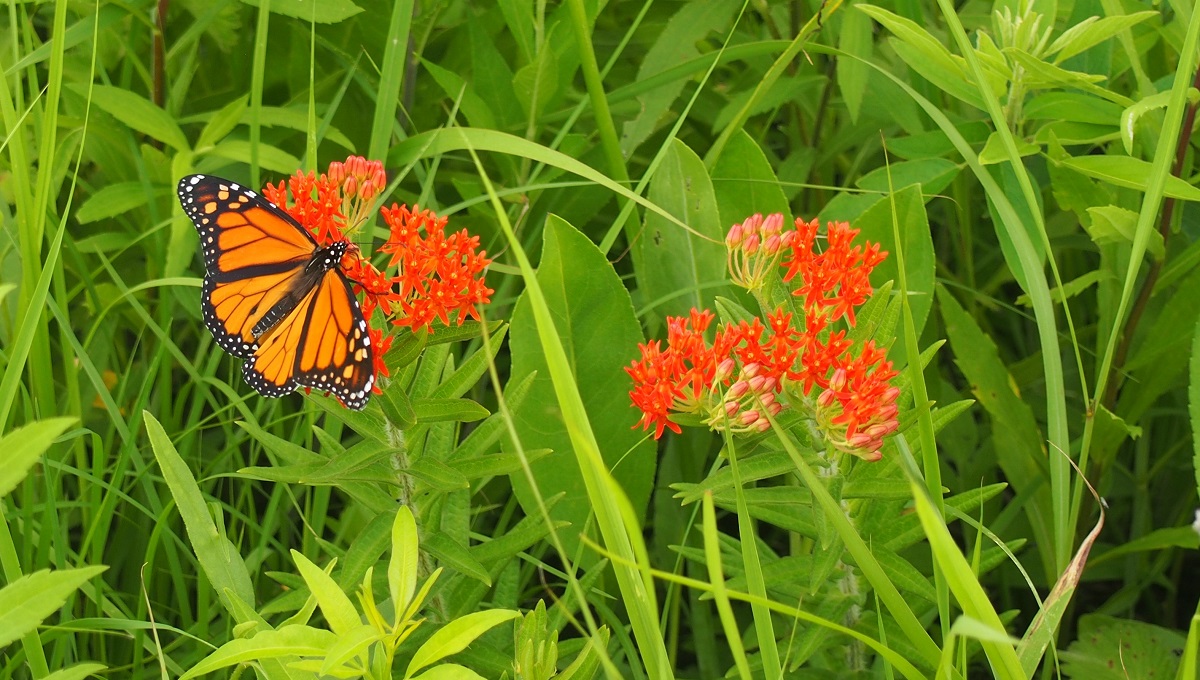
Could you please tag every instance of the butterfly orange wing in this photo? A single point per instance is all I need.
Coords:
(323, 344)
(263, 300)
(255, 256)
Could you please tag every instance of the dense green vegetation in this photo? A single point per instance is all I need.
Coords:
(784, 507)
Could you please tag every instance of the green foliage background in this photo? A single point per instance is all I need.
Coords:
(1029, 166)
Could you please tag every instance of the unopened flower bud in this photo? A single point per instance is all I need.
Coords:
(859, 440)
(773, 224)
(871, 456)
(838, 381)
(772, 244)
(751, 369)
(769, 384)
(734, 239)
(786, 240)
(731, 408)
(350, 186)
(725, 369)
(890, 394)
(775, 408)
(738, 389)
(762, 425)
(756, 382)
(825, 399)
(752, 243)
(748, 417)
(766, 398)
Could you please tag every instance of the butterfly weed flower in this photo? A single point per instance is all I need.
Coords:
(751, 371)
(755, 247)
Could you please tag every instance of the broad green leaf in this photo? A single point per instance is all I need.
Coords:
(404, 563)
(78, 672)
(27, 601)
(339, 611)
(682, 268)
(267, 644)
(535, 83)
(1109, 648)
(112, 200)
(23, 447)
(1128, 172)
(137, 112)
(1131, 114)
(744, 183)
(994, 152)
(596, 324)
(1073, 106)
(454, 637)
(323, 12)
(448, 410)
(675, 44)
(855, 38)
(217, 555)
(913, 226)
(1092, 31)
(933, 174)
(1112, 224)
(492, 78)
(518, 16)
(1015, 431)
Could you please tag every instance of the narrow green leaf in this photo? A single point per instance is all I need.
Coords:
(137, 112)
(323, 12)
(77, 672)
(450, 671)
(112, 200)
(339, 611)
(349, 645)
(437, 474)
(1091, 32)
(455, 556)
(222, 122)
(217, 555)
(23, 447)
(402, 568)
(267, 644)
(1129, 172)
(27, 601)
(856, 38)
(448, 410)
(454, 637)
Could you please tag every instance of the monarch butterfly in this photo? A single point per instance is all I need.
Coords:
(274, 297)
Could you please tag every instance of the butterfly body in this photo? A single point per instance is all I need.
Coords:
(274, 297)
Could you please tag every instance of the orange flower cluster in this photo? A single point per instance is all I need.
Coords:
(437, 276)
(736, 381)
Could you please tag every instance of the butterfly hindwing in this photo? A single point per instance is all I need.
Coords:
(273, 297)
(322, 344)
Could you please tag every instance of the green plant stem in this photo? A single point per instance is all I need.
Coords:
(1156, 265)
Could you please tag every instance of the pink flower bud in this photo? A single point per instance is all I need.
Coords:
(773, 224)
(731, 408)
(859, 440)
(756, 382)
(737, 389)
(766, 399)
(871, 456)
(838, 381)
(772, 244)
(748, 417)
(735, 236)
(762, 425)
(769, 385)
(725, 369)
(890, 394)
(752, 244)
(775, 408)
(825, 399)
(751, 369)
(350, 186)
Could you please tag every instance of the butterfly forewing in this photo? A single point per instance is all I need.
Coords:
(272, 297)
